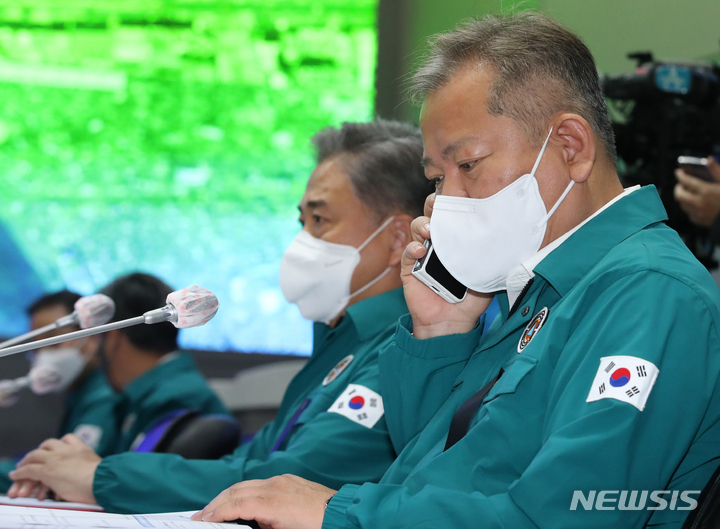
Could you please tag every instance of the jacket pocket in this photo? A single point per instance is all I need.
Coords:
(515, 372)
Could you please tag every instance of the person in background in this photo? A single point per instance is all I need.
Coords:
(700, 199)
(89, 400)
(142, 362)
(343, 272)
(142, 365)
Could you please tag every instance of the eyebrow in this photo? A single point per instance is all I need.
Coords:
(312, 204)
(447, 151)
(450, 149)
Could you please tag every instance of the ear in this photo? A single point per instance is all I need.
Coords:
(578, 143)
(112, 340)
(399, 231)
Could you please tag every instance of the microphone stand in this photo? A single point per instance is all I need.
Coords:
(65, 321)
(167, 313)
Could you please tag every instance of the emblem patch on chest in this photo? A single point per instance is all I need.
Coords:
(90, 434)
(532, 329)
(338, 369)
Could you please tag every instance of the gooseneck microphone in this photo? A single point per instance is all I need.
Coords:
(90, 311)
(190, 307)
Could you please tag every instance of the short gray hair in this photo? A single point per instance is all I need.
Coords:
(383, 164)
(541, 68)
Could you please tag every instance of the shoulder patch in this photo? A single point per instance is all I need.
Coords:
(626, 378)
(359, 404)
(338, 369)
(532, 328)
(90, 434)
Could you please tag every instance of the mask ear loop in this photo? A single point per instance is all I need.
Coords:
(374, 234)
(363, 245)
(567, 189)
(371, 283)
(559, 201)
(542, 151)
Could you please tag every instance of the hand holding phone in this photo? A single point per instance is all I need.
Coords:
(432, 314)
(698, 189)
(432, 273)
(697, 167)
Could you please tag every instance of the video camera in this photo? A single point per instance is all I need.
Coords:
(661, 111)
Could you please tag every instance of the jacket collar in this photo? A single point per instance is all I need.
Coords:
(573, 259)
(146, 383)
(369, 317)
(373, 315)
(565, 266)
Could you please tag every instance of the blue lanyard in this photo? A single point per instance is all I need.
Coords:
(290, 424)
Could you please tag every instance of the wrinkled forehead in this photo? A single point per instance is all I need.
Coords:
(457, 103)
(329, 182)
(330, 192)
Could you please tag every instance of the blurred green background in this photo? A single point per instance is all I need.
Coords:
(172, 137)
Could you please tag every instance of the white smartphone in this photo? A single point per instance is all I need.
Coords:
(434, 275)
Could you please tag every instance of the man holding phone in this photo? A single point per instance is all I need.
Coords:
(600, 376)
(698, 193)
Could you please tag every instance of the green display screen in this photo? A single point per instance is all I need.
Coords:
(171, 137)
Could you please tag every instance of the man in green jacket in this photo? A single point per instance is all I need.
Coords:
(142, 363)
(593, 401)
(342, 271)
(89, 400)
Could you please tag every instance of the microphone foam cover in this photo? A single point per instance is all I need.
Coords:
(195, 306)
(44, 379)
(94, 310)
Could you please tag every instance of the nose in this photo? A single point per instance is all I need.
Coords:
(452, 185)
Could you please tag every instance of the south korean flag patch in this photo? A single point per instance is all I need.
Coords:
(626, 378)
(360, 405)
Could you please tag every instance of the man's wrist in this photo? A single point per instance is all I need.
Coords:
(445, 328)
(336, 512)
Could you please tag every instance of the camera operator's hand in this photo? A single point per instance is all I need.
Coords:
(432, 315)
(698, 198)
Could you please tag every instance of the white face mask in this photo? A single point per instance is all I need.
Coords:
(53, 370)
(316, 275)
(480, 240)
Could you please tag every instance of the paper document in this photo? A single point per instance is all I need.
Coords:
(49, 504)
(12, 517)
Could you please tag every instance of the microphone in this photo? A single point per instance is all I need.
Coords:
(190, 307)
(9, 390)
(90, 311)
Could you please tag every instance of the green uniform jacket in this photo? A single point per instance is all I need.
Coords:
(174, 384)
(622, 285)
(321, 446)
(90, 414)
